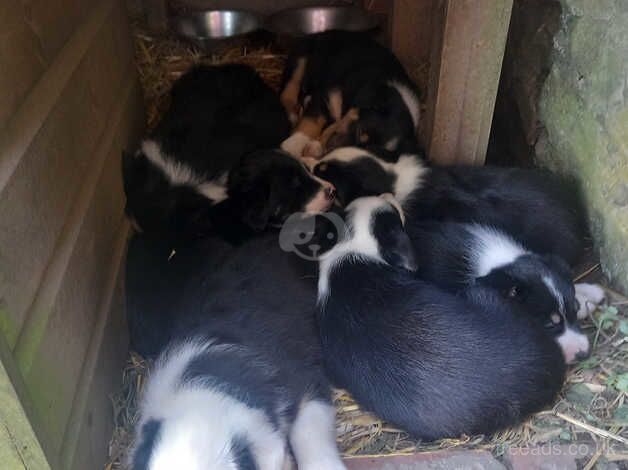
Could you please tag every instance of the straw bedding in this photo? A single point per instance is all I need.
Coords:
(592, 409)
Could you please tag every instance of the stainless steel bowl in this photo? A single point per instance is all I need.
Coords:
(309, 20)
(205, 27)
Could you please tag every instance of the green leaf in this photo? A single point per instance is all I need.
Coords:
(579, 394)
(623, 327)
(589, 363)
(620, 416)
(621, 383)
(565, 436)
(607, 318)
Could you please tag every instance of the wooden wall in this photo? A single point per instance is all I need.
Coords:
(69, 103)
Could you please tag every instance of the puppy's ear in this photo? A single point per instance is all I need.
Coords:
(398, 251)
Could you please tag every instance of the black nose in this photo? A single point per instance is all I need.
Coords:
(330, 193)
(582, 355)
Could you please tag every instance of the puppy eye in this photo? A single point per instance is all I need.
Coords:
(512, 292)
(322, 167)
(556, 318)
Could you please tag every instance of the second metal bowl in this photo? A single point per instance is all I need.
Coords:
(309, 20)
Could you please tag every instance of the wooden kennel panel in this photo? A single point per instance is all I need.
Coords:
(69, 103)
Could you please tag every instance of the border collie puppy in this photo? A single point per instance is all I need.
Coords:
(458, 256)
(217, 115)
(242, 381)
(540, 210)
(330, 73)
(434, 364)
(261, 190)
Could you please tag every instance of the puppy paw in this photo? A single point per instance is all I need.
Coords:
(313, 149)
(589, 296)
(295, 144)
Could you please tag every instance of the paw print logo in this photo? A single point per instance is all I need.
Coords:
(309, 236)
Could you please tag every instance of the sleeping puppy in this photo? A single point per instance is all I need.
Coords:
(328, 74)
(240, 385)
(261, 190)
(217, 115)
(457, 256)
(433, 363)
(540, 210)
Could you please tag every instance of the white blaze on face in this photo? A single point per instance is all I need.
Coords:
(573, 344)
(322, 200)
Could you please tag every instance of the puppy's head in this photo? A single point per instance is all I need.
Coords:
(541, 286)
(154, 204)
(268, 186)
(387, 117)
(355, 173)
(375, 228)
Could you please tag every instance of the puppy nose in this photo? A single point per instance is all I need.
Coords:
(330, 192)
(582, 355)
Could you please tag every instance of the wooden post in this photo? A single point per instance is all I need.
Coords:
(468, 45)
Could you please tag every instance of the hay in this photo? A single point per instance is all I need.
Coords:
(592, 409)
(164, 58)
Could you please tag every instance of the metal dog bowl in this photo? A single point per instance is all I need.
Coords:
(309, 20)
(205, 28)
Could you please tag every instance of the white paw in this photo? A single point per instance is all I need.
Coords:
(295, 144)
(313, 149)
(589, 296)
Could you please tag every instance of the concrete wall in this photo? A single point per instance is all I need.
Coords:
(69, 103)
(584, 109)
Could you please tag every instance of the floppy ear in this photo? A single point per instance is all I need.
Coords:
(398, 251)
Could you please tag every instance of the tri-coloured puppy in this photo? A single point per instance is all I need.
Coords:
(336, 74)
(241, 385)
(540, 210)
(433, 363)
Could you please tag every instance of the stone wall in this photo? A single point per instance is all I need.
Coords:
(584, 111)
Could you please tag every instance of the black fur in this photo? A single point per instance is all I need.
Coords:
(360, 68)
(244, 459)
(542, 211)
(218, 116)
(434, 364)
(149, 435)
(445, 253)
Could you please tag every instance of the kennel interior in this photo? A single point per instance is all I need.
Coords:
(71, 100)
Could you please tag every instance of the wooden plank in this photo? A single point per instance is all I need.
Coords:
(467, 52)
(38, 196)
(19, 447)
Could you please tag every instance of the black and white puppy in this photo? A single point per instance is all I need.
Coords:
(433, 363)
(241, 385)
(332, 72)
(218, 116)
(540, 210)
(459, 256)
(261, 190)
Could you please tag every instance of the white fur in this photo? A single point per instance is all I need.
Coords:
(295, 144)
(408, 170)
(179, 173)
(549, 283)
(361, 243)
(176, 172)
(572, 343)
(491, 249)
(589, 296)
(320, 202)
(198, 423)
(410, 99)
(313, 437)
